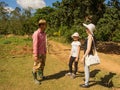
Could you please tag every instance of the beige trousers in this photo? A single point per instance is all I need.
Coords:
(40, 64)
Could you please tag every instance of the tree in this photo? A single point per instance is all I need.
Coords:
(3, 18)
(15, 25)
(109, 25)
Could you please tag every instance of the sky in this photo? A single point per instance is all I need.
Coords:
(25, 4)
(28, 3)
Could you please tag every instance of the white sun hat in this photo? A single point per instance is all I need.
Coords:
(76, 34)
(90, 26)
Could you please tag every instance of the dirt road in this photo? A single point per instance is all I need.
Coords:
(109, 62)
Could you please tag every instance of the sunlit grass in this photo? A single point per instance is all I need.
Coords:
(15, 70)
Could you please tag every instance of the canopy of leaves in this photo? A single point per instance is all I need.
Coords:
(65, 18)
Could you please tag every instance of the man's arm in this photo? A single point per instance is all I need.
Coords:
(35, 46)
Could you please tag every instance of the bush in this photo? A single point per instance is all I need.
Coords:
(7, 42)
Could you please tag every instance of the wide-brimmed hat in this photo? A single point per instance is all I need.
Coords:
(42, 21)
(90, 27)
(76, 34)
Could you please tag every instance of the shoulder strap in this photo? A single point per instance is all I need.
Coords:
(94, 46)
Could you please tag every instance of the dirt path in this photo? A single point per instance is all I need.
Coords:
(109, 62)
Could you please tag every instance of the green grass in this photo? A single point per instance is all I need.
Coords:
(14, 40)
(15, 70)
(16, 75)
(14, 45)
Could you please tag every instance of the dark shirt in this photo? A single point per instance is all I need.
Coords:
(92, 46)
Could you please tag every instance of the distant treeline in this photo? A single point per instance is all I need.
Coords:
(64, 18)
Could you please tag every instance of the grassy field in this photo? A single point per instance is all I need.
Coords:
(16, 65)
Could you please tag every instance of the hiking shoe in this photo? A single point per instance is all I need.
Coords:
(73, 75)
(37, 81)
(68, 74)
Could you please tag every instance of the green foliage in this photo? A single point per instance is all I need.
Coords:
(7, 42)
(12, 46)
(15, 40)
(108, 27)
(65, 18)
(116, 36)
(74, 29)
(116, 81)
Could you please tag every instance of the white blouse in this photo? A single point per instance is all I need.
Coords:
(74, 50)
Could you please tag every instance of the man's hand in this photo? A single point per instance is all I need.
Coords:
(35, 58)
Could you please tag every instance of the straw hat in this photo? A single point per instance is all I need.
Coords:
(90, 27)
(42, 21)
(76, 34)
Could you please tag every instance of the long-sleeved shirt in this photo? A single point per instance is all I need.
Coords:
(39, 42)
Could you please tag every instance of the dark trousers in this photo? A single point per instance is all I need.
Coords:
(72, 60)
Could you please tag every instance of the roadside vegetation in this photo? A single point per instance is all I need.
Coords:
(65, 18)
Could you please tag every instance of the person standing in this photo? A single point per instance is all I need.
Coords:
(39, 51)
(74, 55)
(88, 50)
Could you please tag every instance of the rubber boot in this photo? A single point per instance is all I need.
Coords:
(35, 78)
(40, 73)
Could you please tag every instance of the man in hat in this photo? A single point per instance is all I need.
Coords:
(39, 51)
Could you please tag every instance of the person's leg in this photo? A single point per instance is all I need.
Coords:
(42, 65)
(87, 74)
(70, 64)
(75, 67)
(34, 72)
(34, 75)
